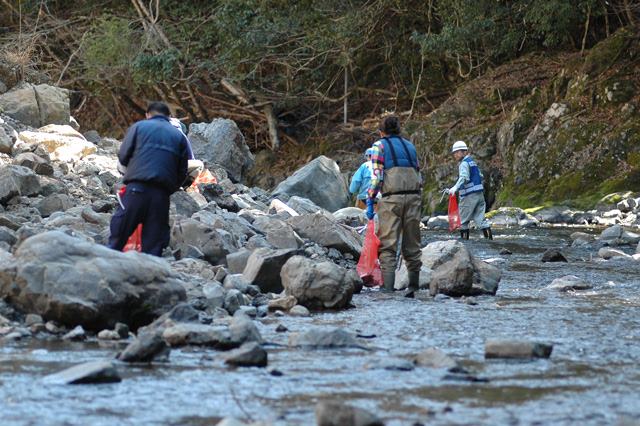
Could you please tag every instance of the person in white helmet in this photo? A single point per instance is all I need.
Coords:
(469, 186)
(194, 167)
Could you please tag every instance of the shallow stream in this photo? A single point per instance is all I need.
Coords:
(592, 377)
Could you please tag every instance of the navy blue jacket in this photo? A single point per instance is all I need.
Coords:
(155, 152)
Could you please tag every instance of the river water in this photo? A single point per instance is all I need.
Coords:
(592, 377)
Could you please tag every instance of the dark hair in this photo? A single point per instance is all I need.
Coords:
(159, 108)
(390, 125)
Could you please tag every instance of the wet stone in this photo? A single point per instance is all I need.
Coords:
(108, 335)
(339, 414)
(317, 338)
(145, 348)
(434, 358)
(568, 283)
(77, 334)
(87, 373)
(516, 349)
(250, 354)
(553, 255)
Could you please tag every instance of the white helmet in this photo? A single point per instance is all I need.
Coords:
(459, 146)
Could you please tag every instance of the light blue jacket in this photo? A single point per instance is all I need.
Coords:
(360, 181)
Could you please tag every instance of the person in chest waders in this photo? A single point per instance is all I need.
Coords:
(396, 174)
(469, 186)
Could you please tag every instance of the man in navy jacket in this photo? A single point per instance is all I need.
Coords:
(155, 155)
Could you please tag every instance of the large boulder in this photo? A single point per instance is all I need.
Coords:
(327, 233)
(62, 142)
(320, 181)
(455, 272)
(36, 106)
(318, 285)
(17, 180)
(264, 266)
(73, 281)
(189, 236)
(221, 142)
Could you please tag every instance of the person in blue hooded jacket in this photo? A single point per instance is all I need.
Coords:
(361, 180)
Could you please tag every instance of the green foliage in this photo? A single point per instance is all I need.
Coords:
(109, 49)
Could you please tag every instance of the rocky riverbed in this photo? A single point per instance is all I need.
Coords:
(590, 378)
(255, 310)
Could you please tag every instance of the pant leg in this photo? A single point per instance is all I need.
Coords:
(125, 220)
(155, 225)
(389, 229)
(478, 213)
(411, 232)
(466, 207)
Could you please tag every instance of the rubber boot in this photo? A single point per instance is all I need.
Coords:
(414, 284)
(388, 281)
(464, 234)
(487, 233)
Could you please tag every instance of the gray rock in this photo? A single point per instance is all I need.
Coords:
(453, 270)
(250, 354)
(282, 303)
(434, 358)
(221, 142)
(92, 136)
(87, 373)
(608, 253)
(351, 216)
(438, 222)
(54, 203)
(145, 348)
(122, 330)
(553, 255)
(77, 334)
(339, 414)
(244, 330)
(299, 311)
(183, 334)
(557, 214)
(34, 162)
(76, 282)
(303, 205)
(516, 349)
(8, 235)
(17, 180)
(277, 232)
(568, 283)
(184, 204)
(214, 244)
(108, 335)
(6, 141)
(264, 266)
(32, 319)
(327, 233)
(214, 294)
(236, 262)
(332, 194)
(486, 278)
(318, 338)
(36, 106)
(318, 285)
(611, 233)
(233, 300)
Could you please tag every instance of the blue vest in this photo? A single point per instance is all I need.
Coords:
(475, 179)
(399, 152)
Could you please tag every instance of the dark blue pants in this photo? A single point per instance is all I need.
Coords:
(147, 205)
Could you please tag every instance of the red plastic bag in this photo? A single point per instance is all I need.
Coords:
(135, 240)
(454, 214)
(369, 266)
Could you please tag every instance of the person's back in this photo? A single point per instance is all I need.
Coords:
(154, 151)
(155, 156)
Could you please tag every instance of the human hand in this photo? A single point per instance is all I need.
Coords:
(452, 191)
